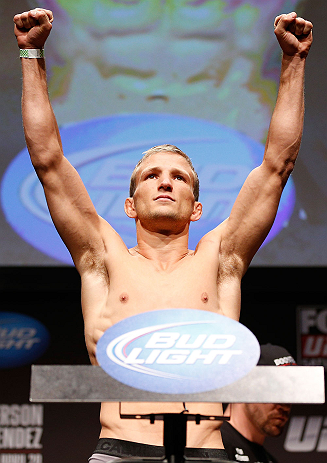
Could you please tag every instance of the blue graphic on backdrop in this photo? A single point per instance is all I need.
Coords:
(22, 339)
(178, 351)
(105, 151)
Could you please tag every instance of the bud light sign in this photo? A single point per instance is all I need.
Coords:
(23, 339)
(178, 351)
(104, 151)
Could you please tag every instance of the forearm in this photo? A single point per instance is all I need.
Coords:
(285, 131)
(40, 126)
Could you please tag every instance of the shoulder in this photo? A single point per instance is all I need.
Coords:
(239, 448)
(228, 431)
(212, 239)
(233, 441)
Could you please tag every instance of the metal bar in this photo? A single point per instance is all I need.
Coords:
(263, 384)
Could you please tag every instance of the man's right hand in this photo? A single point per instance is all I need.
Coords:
(33, 27)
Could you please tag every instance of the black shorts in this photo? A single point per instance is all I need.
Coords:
(126, 449)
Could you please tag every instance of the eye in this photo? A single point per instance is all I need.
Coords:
(150, 176)
(180, 177)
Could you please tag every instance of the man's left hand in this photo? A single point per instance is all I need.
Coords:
(294, 34)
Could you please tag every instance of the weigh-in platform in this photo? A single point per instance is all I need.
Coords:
(177, 355)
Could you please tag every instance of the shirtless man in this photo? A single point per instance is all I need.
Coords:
(160, 272)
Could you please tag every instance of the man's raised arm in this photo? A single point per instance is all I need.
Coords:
(69, 204)
(256, 206)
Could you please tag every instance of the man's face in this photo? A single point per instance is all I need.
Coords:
(269, 419)
(164, 190)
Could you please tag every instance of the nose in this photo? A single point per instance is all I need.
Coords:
(285, 407)
(165, 183)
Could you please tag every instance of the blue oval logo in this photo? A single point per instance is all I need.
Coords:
(22, 339)
(104, 152)
(178, 351)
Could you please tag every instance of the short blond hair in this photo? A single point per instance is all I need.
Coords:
(168, 149)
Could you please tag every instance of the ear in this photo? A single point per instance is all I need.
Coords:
(129, 208)
(197, 211)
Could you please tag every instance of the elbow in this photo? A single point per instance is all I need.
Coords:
(44, 145)
(43, 164)
(44, 157)
(286, 170)
(282, 164)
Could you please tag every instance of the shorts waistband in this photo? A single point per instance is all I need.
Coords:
(123, 448)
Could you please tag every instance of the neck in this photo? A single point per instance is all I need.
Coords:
(161, 247)
(242, 424)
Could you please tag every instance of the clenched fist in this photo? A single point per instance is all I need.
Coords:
(33, 27)
(294, 34)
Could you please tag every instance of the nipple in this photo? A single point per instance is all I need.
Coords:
(123, 297)
(204, 297)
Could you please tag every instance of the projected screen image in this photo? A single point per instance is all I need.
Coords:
(125, 75)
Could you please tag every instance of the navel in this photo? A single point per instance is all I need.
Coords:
(123, 297)
(204, 297)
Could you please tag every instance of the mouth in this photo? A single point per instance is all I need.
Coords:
(164, 198)
(281, 418)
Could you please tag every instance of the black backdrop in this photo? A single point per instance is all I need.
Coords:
(52, 296)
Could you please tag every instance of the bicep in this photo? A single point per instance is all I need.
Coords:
(71, 209)
(253, 214)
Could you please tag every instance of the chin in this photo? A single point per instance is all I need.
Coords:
(274, 431)
(164, 216)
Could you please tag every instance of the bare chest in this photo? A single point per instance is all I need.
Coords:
(142, 287)
(137, 286)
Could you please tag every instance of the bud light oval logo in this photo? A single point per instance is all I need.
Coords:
(105, 151)
(178, 351)
(22, 339)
